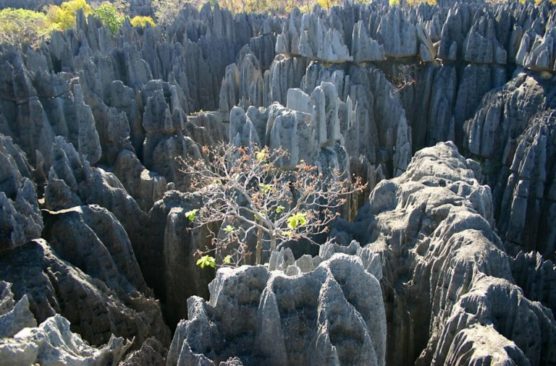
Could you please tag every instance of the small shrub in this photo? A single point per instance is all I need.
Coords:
(297, 220)
(327, 4)
(22, 26)
(109, 16)
(191, 215)
(62, 17)
(264, 200)
(419, 2)
(206, 261)
(142, 21)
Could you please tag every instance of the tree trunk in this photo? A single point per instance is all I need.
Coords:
(272, 242)
(259, 247)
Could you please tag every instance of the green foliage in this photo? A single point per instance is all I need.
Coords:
(327, 4)
(262, 155)
(297, 220)
(265, 188)
(109, 16)
(227, 259)
(62, 17)
(394, 2)
(191, 215)
(206, 261)
(419, 2)
(22, 26)
(142, 21)
(166, 10)
(267, 202)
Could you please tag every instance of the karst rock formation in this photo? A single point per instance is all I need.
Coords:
(447, 112)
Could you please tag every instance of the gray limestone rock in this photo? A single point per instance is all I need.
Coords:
(168, 251)
(325, 114)
(397, 34)
(299, 101)
(371, 119)
(529, 326)
(164, 124)
(92, 238)
(454, 31)
(151, 353)
(515, 162)
(287, 42)
(481, 45)
(536, 277)
(435, 223)
(95, 310)
(363, 47)
(526, 206)
(286, 320)
(146, 186)
(364, 87)
(14, 316)
(282, 132)
(502, 115)
(427, 50)
(73, 182)
(229, 90)
(251, 86)
(482, 344)
(72, 177)
(20, 217)
(320, 40)
(242, 130)
(536, 51)
(285, 73)
(53, 343)
(207, 128)
(88, 143)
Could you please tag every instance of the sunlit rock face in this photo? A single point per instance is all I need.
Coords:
(446, 272)
(448, 261)
(257, 315)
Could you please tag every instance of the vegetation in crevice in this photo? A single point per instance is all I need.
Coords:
(21, 27)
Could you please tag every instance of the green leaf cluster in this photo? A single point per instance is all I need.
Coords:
(265, 188)
(206, 261)
(261, 155)
(22, 26)
(62, 17)
(109, 16)
(140, 21)
(297, 220)
(191, 215)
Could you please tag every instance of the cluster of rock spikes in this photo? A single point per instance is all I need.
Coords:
(448, 113)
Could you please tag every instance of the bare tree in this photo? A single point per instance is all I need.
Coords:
(251, 195)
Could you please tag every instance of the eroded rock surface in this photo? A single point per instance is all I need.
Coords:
(257, 315)
(518, 121)
(446, 273)
(23, 342)
(91, 124)
(20, 218)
